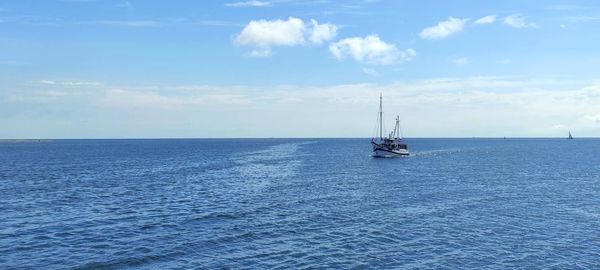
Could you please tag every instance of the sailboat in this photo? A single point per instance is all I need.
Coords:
(570, 137)
(392, 145)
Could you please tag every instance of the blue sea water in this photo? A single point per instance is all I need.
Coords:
(299, 203)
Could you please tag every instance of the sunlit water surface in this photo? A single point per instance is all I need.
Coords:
(299, 203)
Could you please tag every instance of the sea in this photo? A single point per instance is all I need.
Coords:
(470, 203)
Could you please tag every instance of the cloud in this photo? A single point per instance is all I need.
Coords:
(158, 22)
(370, 50)
(137, 99)
(503, 105)
(592, 118)
(12, 63)
(32, 20)
(264, 34)
(258, 53)
(583, 18)
(133, 24)
(80, 1)
(370, 71)
(516, 21)
(134, 99)
(69, 83)
(461, 61)
(251, 3)
(40, 97)
(563, 7)
(322, 32)
(125, 4)
(486, 20)
(466, 106)
(444, 28)
(218, 23)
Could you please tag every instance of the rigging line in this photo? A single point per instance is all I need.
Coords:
(375, 129)
(380, 115)
(400, 128)
(383, 123)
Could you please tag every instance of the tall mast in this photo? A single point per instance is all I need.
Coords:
(397, 128)
(380, 116)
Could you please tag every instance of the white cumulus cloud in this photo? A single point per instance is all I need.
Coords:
(322, 32)
(371, 50)
(277, 32)
(486, 20)
(517, 21)
(264, 34)
(444, 28)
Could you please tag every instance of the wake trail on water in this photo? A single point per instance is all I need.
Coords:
(438, 152)
(274, 162)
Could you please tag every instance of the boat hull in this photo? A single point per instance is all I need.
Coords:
(384, 153)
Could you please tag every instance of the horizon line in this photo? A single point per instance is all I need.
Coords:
(266, 138)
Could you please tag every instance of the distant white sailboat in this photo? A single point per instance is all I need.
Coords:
(570, 136)
(392, 145)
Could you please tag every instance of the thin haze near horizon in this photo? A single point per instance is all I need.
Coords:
(288, 68)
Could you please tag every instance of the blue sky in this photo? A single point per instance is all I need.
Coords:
(288, 68)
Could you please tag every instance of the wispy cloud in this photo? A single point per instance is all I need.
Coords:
(69, 83)
(38, 97)
(516, 105)
(134, 99)
(583, 18)
(444, 28)
(126, 23)
(461, 61)
(159, 22)
(125, 4)
(370, 71)
(370, 50)
(517, 21)
(79, 1)
(251, 3)
(12, 63)
(218, 23)
(565, 7)
(259, 53)
(32, 20)
(486, 20)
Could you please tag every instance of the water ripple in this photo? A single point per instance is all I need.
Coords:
(280, 204)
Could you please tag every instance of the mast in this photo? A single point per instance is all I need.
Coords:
(397, 128)
(380, 116)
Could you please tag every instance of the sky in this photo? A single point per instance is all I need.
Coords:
(290, 68)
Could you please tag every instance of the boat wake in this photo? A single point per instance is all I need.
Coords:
(438, 152)
(275, 162)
